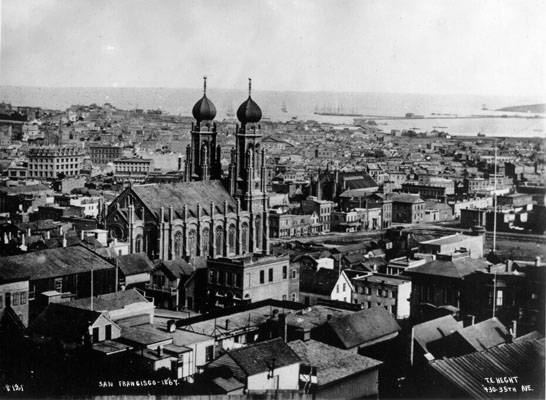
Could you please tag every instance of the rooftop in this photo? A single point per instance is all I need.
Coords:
(455, 268)
(362, 327)
(468, 373)
(332, 363)
(314, 316)
(51, 263)
(449, 239)
(110, 301)
(260, 357)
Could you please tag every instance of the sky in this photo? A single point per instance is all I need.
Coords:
(487, 47)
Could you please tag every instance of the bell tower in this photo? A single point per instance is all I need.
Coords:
(247, 180)
(203, 154)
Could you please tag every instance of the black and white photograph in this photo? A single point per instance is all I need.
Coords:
(272, 199)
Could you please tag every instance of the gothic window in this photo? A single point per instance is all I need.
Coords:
(231, 238)
(205, 241)
(139, 244)
(258, 229)
(192, 242)
(244, 237)
(218, 237)
(178, 244)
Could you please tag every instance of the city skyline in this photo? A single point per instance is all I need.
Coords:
(454, 47)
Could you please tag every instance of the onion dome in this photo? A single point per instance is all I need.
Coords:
(204, 110)
(249, 111)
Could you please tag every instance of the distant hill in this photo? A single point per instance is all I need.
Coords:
(531, 108)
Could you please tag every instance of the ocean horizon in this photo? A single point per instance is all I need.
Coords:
(302, 105)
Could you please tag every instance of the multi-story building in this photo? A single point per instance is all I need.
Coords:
(293, 225)
(407, 208)
(381, 290)
(103, 154)
(133, 169)
(249, 279)
(48, 162)
(323, 208)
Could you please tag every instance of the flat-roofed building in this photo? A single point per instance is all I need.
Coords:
(48, 162)
(388, 291)
(249, 279)
(133, 169)
(451, 243)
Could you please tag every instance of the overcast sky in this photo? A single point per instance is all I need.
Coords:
(477, 47)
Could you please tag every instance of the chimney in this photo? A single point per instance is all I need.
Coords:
(171, 325)
(537, 261)
(508, 264)
(159, 351)
(29, 233)
(48, 235)
(227, 324)
(64, 240)
(61, 232)
(514, 330)
(284, 327)
(82, 234)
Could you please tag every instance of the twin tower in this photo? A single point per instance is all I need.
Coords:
(246, 180)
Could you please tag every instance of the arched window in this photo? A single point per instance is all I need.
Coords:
(244, 237)
(178, 244)
(192, 243)
(258, 230)
(231, 238)
(139, 244)
(219, 240)
(205, 239)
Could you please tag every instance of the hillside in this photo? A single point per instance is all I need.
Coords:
(531, 108)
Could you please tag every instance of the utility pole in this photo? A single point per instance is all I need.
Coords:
(495, 205)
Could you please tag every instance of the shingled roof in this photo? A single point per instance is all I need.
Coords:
(363, 327)
(51, 263)
(332, 363)
(63, 322)
(202, 193)
(109, 301)
(256, 358)
(137, 263)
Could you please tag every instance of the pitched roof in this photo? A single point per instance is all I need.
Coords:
(322, 282)
(485, 334)
(64, 322)
(455, 268)
(110, 301)
(131, 264)
(176, 269)
(435, 329)
(259, 357)
(332, 363)
(51, 263)
(202, 193)
(314, 316)
(468, 373)
(406, 198)
(364, 326)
